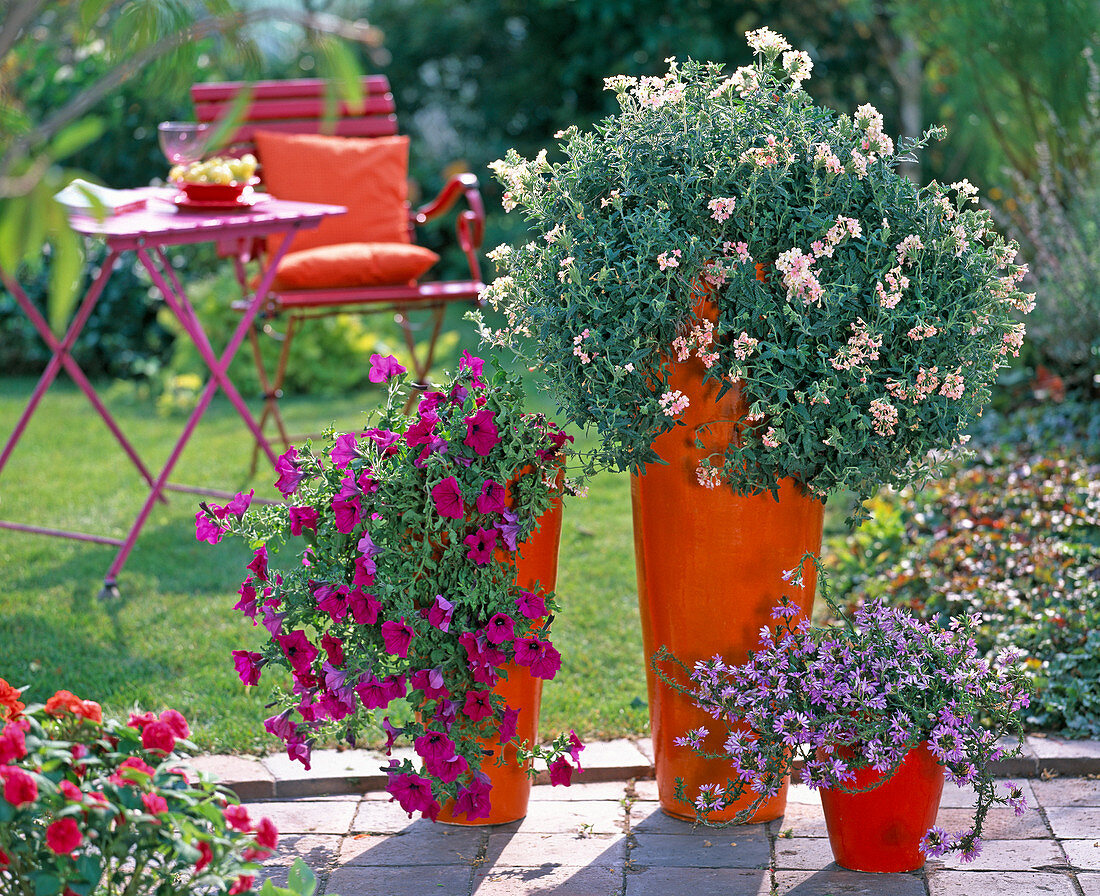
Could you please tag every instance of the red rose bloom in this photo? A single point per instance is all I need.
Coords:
(19, 787)
(63, 836)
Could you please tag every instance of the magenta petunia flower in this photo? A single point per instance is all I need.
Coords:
(259, 563)
(303, 518)
(499, 629)
(478, 706)
(332, 599)
(448, 769)
(207, 529)
(364, 607)
(347, 512)
(333, 648)
(447, 496)
(429, 401)
(397, 637)
(363, 577)
(413, 793)
(481, 432)
(508, 722)
(430, 681)
(531, 605)
(575, 747)
(394, 687)
(372, 693)
(298, 650)
(541, 656)
(476, 366)
(344, 451)
(561, 772)
(440, 613)
(492, 497)
(384, 439)
(290, 477)
(422, 432)
(434, 746)
(482, 544)
(248, 665)
(473, 800)
(240, 503)
(383, 369)
(247, 604)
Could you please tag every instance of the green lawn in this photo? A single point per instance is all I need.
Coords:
(167, 640)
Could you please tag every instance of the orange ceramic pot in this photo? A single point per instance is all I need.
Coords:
(536, 562)
(710, 567)
(880, 830)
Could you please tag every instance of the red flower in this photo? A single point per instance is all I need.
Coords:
(61, 702)
(70, 791)
(19, 787)
(176, 722)
(13, 744)
(4, 860)
(242, 885)
(63, 836)
(206, 856)
(237, 818)
(10, 705)
(140, 720)
(154, 803)
(158, 736)
(266, 834)
(88, 709)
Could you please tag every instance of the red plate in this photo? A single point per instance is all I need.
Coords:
(246, 200)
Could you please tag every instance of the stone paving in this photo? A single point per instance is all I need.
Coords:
(606, 836)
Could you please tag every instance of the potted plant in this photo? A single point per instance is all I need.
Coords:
(738, 290)
(423, 575)
(93, 806)
(880, 707)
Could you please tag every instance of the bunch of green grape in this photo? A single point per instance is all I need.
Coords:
(217, 170)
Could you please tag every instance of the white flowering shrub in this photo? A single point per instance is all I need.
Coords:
(862, 317)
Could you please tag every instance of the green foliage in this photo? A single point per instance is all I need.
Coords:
(1015, 541)
(887, 307)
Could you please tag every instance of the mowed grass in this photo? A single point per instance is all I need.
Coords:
(167, 640)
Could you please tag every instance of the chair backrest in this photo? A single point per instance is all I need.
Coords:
(299, 106)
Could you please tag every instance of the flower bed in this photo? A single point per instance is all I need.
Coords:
(1016, 541)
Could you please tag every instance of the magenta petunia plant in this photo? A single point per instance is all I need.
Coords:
(859, 694)
(94, 806)
(387, 579)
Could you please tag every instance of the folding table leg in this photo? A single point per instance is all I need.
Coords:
(61, 357)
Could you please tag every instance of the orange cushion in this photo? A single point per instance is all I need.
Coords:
(369, 175)
(353, 264)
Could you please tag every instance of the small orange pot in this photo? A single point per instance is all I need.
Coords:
(880, 830)
(710, 566)
(537, 561)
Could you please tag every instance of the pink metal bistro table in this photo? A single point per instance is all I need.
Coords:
(146, 232)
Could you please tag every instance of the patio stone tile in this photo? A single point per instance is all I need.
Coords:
(247, 776)
(802, 820)
(1090, 884)
(591, 880)
(1000, 824)
(613, 791)
(803, 853)
(1064, 756)
(318, 851)
(1084, 854)
(714, 848)
(331, 771)
(307, 816)
(1067, 792)
(840, 882)
(570, 817)
(359, 880)
(646, 789)
(691, 881)
(441, 845)
(955, 797)
(999, 883)
(529, 850)
(648, 817)
(1006, 855)
(383, 817)
(1074, 822)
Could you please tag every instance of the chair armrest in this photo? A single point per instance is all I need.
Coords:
(470, 223)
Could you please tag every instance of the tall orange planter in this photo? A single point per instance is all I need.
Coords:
(537, 562)
(710, 566)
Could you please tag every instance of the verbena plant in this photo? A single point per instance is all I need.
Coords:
(862, 317)
(403, 582)
(92, 806)
(856, 695)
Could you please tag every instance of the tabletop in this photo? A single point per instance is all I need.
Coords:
(164, 222)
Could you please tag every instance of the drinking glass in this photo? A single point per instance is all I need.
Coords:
(182, 142)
